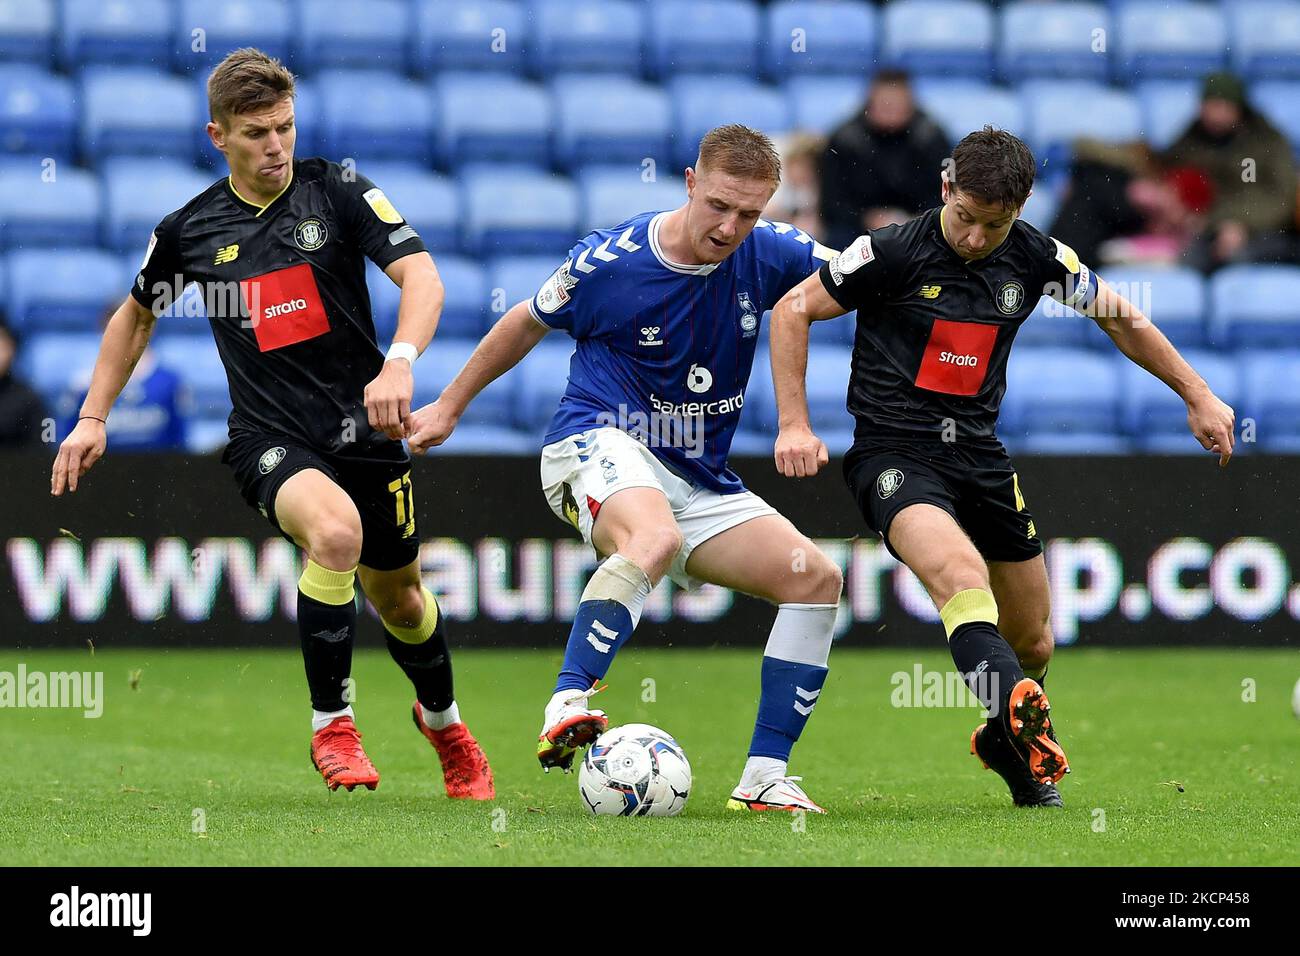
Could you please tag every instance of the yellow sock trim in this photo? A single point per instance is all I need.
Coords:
(972, 604)
(422, 631)
(329, 587)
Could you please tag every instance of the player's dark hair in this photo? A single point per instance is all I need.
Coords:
(994, 167)
(892, 76)
(247, 81)
(741, 152)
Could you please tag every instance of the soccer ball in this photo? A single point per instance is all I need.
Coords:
(635, 771)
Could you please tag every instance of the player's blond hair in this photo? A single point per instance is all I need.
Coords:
(741, 152)
(247, 81)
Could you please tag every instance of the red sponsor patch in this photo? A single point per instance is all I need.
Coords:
(956, 357)
(284, 307)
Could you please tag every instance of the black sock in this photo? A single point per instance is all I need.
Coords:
(428, 665)
(328, 632)
(987, 664)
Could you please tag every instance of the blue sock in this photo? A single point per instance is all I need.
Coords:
(790, 691)
(599, 630)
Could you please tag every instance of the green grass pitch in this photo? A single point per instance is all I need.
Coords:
(1171, 766)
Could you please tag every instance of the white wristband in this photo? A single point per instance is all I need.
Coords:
(402, 350)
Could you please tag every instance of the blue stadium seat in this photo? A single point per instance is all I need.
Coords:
(698, 36)
(512, 279)
(1171, 39)
(385, 297)
(613, 194)
(137, 111)
(1266, 39)
(516, 211)
(819, 104)
(1060, 390)
(941, 37)
(229, 25)
(1045, 199)
(599, 35)
(465, 288)
(1060, 111)
(27, 30)
(490, 117)
(540, 381)
(373, 35)
(960, 106)
(1156, 418)
(703, 102)
(1254, 306)
(837, 331)
(1069, 443)
(373, 114)
(38, 112)
(803, 36)
(1168, 108)
(828, 386)
(1052, 324)
(63, 211)
(134, 32)
(195, 359)
(439, 364)
(609, 119)
(1272, 398)
(1172, 298)
(64, 290)
(428, 201)
(495, 440)
(1053, 40)
(1279, 100)
(50, 360)
(485, 35)
(139, 193)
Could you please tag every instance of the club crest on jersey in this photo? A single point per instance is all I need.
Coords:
(889, 481)
(650, 336)
(1010, 296)
(310, 234)
(748, 315)
(270, 458)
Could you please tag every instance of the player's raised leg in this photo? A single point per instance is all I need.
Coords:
(322, 519)
(415, 632)
(768, 558)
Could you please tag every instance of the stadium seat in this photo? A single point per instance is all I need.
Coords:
(133, 32)
(1168, 108)
(609, 119)
(516, 211)
(484, 35)
(1155, 418)
(540, 381)
(613, 194)
(1060, 390)
(428, 201)
(464, 307)
(230, 25)
(490, 117)
(819, 104)
(340, 33)
(195, 359)
(1169, 39)
(28, 29)
(64, 290)
(1279, 100)
(1069, 443)
(472, 438)
(138, 193)
(49, 360)
(1045, 199)
(960, 106)
(1271, 397)
(598, 35)
(385, 297)
(1060, 111)
(39, 210)
(1053, 40)
(803, 36)
(1052, 324)
(439, 365)
(38, 112)
(512, 279)
(837, 331)
(1266, 39)
(136, 111)
(1254, 306)
(375, 115)
(941, 37)
(1172, 298)
(698, 36)
(703, 102)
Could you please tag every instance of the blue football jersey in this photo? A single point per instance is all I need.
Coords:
(664, 350)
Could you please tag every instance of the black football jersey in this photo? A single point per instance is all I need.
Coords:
(284, 286)
(934, 331)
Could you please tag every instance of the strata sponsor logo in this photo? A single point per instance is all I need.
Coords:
(952, 358)
(74, 690)
(284, 308)
(75, 909)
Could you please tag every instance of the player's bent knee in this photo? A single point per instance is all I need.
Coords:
(404, 608)
(654, 548)
(335, 543)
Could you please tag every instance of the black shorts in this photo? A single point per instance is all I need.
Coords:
(381, 490)
(972, 481)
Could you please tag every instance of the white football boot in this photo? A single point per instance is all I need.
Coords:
(568, 725)
(783, 793)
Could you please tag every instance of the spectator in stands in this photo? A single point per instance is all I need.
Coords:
(796, 199)
(150, 415)
(879, 166)
(22, 413)
(1252, 213)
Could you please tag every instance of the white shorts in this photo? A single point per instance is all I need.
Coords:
(581, 471)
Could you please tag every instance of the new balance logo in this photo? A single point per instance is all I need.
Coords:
(929, 291)
(608, 634)
(810, 696)
(226, 254)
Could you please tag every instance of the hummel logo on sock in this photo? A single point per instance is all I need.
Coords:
(605, 632)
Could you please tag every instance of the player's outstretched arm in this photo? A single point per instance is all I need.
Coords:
(125, 338)
(388, 397)
(504, 347)
(799, 452)
(1210, 419)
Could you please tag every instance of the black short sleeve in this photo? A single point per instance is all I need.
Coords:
(371, 221)
(162, 273)
(860, 274)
